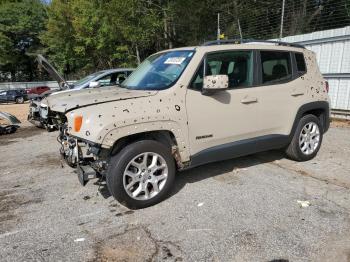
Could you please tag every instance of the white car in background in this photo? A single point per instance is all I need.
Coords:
(38, 110)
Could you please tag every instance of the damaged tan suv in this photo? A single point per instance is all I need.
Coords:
(190, 106)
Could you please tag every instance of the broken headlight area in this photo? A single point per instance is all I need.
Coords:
(43, 111)
(56, 120)
(52, 120)
(34, 113)
(89, 159)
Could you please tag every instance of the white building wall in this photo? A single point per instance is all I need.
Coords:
(332, 48)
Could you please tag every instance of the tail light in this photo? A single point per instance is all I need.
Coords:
(326, 86)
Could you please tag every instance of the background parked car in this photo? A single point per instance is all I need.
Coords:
(38, 111)
(38, 90)
(16, 95)
(98, 79)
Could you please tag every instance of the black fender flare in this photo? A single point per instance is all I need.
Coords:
(317, 105)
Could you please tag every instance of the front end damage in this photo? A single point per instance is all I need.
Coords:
(89, 159)
(34, 113)
(80, 125)
(40, 114)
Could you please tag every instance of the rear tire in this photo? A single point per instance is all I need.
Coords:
(306, 140)
(141, 174)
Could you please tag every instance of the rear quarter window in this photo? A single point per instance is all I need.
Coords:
(301, 66)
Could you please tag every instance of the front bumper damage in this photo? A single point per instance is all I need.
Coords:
(89, 159)
(41, 116)
(34, 113)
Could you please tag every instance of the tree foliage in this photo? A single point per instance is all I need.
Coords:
(21, 23)
(82, 36)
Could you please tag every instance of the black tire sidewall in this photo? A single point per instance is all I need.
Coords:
(117, 167)
(303, 121)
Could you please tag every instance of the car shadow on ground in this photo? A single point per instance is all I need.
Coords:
(211, 170)
(216, 169)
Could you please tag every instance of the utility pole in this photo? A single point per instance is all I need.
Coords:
(218, 36)
(239, 28)
(282, 17)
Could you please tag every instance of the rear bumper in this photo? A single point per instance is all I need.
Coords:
(327, 122)
(326, 118)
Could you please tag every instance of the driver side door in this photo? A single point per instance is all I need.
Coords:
(219, 120)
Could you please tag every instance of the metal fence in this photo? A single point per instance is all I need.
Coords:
(25, 85)
(332, 48)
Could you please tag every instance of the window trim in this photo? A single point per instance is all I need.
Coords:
(204, 58)
(296, 64)
(292, 67)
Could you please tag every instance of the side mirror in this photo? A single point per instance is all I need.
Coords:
(215, 83)
(94, 84)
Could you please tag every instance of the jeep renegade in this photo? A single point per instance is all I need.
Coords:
(190, 106)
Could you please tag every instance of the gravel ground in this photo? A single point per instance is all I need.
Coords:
(19, 110)
(244, 209)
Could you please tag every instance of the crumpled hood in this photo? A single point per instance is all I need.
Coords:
(63, 102)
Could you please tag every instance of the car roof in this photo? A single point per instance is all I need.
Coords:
(251, 44)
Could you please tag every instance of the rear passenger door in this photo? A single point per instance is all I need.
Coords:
(277, 86)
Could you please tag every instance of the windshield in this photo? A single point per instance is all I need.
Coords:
(159, 71)
(85, 79)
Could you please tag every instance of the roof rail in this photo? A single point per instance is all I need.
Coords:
(245, 41)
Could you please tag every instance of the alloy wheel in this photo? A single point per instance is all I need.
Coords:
(145, 176)
(309, 138)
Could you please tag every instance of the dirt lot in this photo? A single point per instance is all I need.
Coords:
(19, 110)
(237, 210)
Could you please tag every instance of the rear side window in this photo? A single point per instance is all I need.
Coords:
(276, 66)
(301, 67)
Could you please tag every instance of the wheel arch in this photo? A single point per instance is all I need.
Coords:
(166, 137)
(318, 108)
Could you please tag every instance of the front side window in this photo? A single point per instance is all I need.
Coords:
(237, 65)
(276, 66)
(159, 71)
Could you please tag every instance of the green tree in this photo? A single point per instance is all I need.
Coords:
(21, 22)
(138, 24)
(59, 37)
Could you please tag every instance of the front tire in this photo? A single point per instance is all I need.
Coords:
(141, 174)
(306, 140)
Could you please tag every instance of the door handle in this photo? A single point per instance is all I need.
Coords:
(249, 100)
(297, 92)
